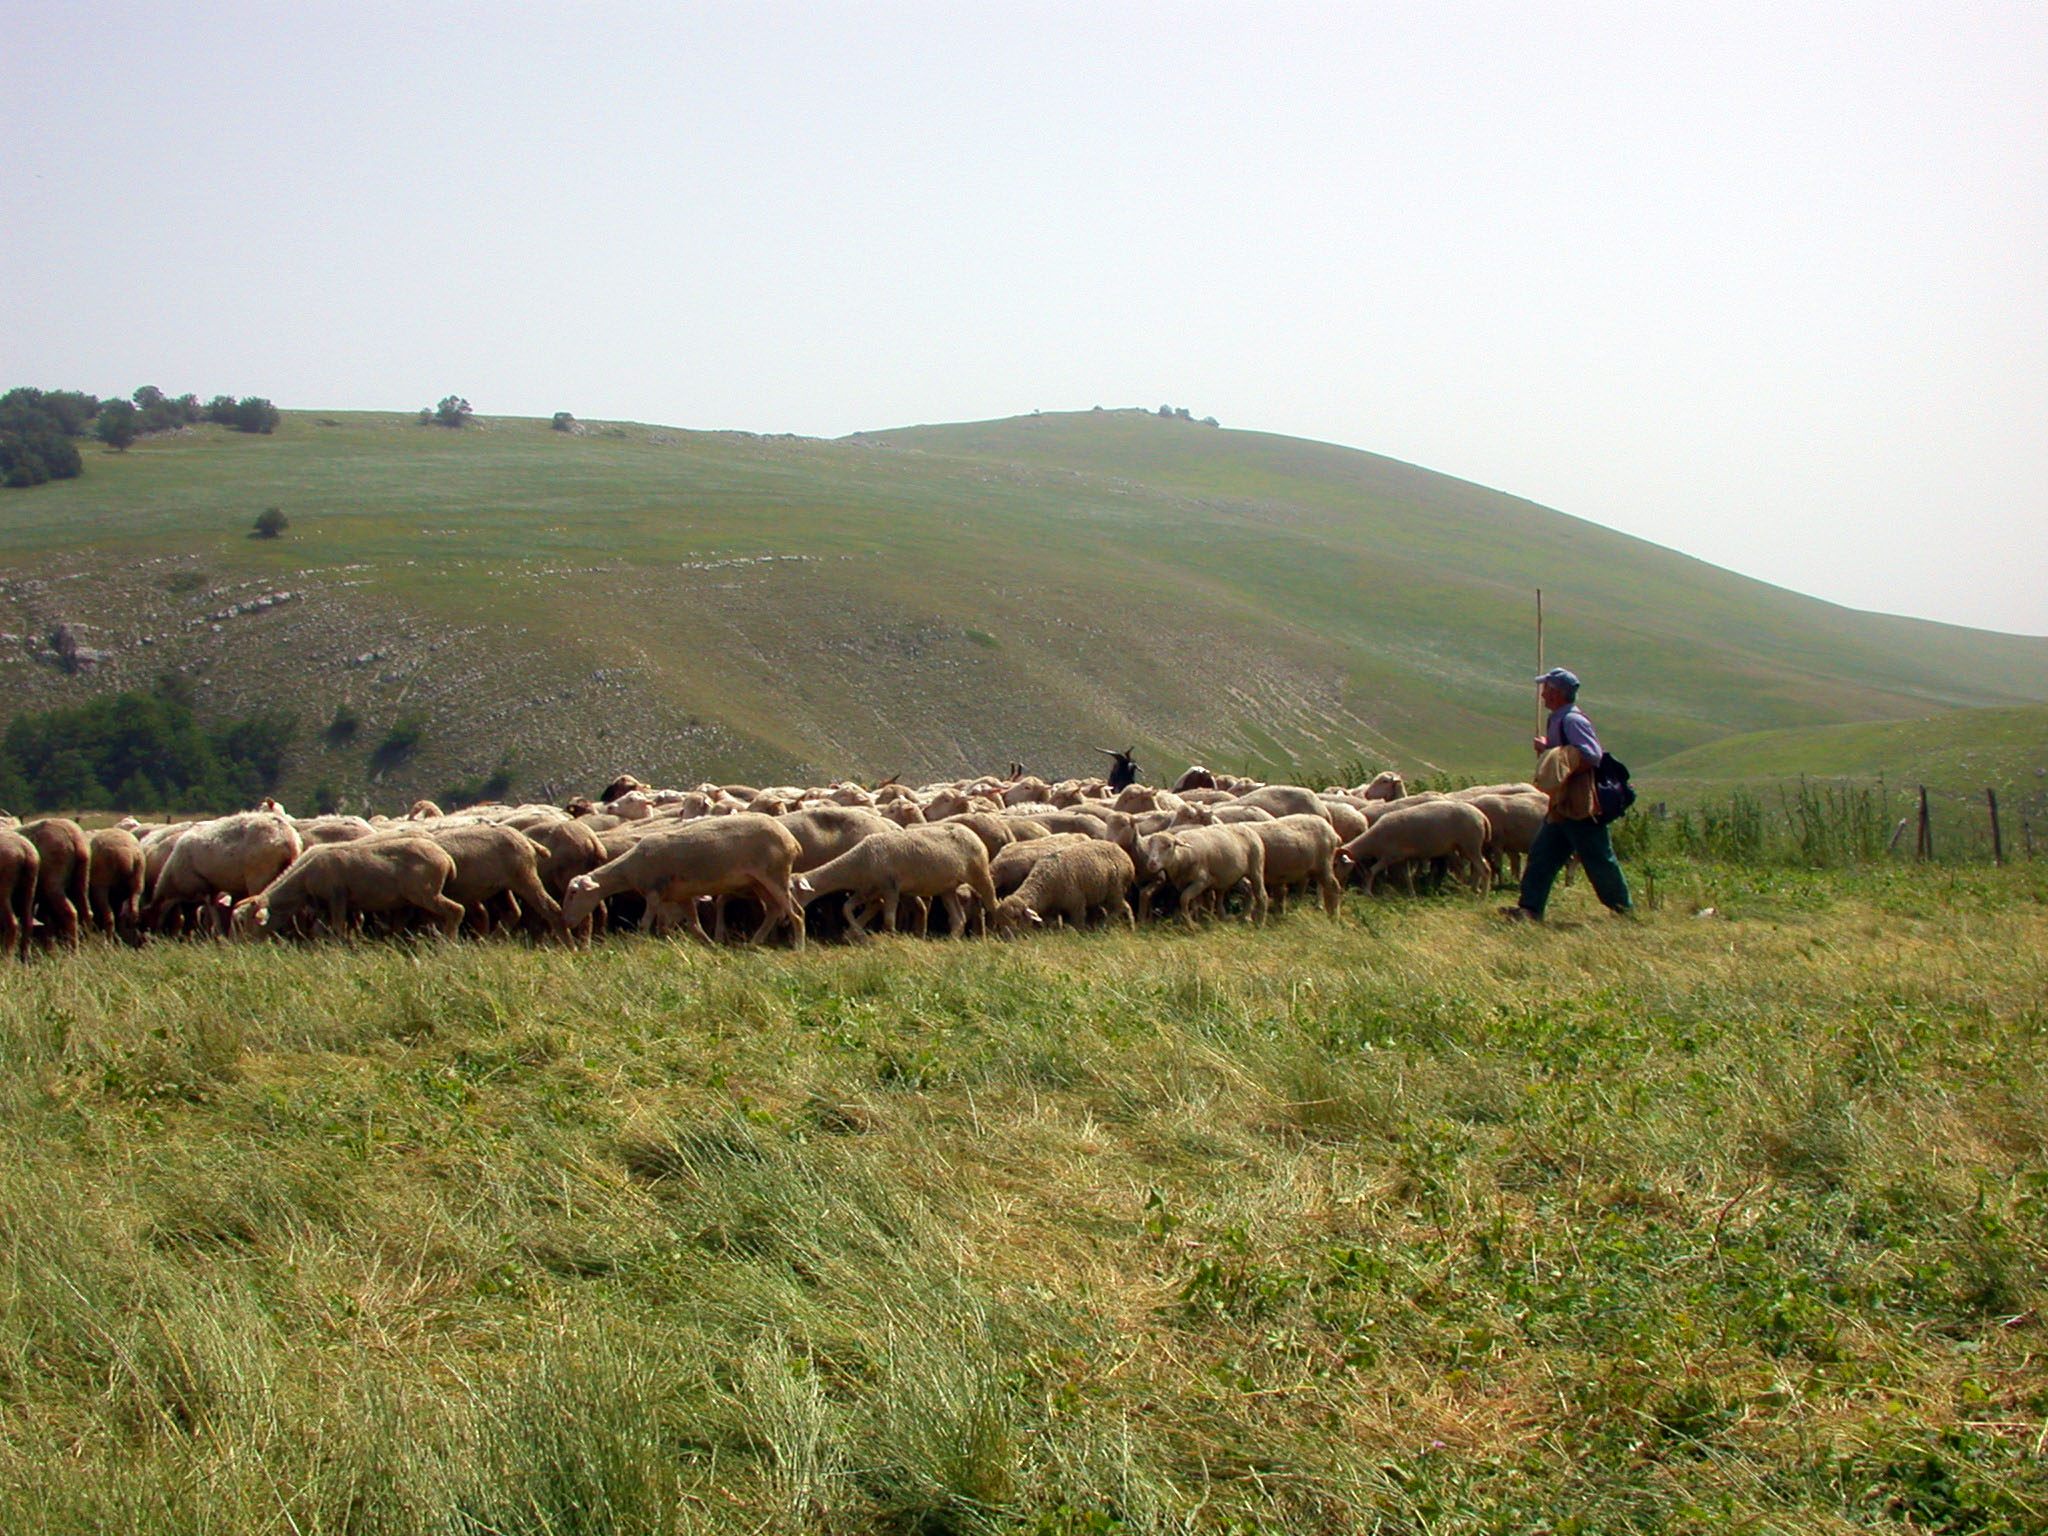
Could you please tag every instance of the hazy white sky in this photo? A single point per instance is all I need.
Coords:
(1764, 282)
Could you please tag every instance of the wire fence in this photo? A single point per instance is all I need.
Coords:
(1829, 824)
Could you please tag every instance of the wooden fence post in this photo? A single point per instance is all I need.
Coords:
(1997, 842)
(1925, 847)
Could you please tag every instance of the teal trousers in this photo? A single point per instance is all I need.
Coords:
(1553, 848)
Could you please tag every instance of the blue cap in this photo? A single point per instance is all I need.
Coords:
(1568, 681)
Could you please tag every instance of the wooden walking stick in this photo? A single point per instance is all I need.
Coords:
(1541, 722)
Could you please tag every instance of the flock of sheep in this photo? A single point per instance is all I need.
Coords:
(1009, 853)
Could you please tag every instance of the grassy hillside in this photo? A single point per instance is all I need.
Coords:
(927, 601)
(1366, 1226)
(1955, 756)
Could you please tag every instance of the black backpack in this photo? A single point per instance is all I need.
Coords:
(1612, 789)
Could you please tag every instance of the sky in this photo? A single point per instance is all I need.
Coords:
(1764, 281)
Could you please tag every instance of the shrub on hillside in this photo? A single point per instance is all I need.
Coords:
(399, 743)
(453, 411)
(270, 522)
(35, 435)
(151, 746)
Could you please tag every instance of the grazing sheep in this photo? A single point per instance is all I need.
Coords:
(1387, 785)
(744, 854)
(905, 813)
(20, 866)
(931, 862)
(330, 829)
(993, 830)
(1287, 800)
(823, 832)
(114, 882)
(1346, 815)
(492, 862)
(1068, 884)
(1201, 863)
(1519, 787)
(1197, 814)
(1514, 821)
(232, 856)
(1437, 829)
(339, 882)
(1006, 871)
(572, 850)
(1029, 790)
(61, 900)
(1300, 851)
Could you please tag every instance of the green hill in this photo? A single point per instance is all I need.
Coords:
(691, 605)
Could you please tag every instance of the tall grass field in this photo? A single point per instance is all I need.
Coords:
(1731, 1218)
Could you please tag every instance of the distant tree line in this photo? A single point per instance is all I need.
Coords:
(142, 751)
(39, 428)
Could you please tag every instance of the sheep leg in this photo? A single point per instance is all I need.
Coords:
(956, 915)
(447, 914)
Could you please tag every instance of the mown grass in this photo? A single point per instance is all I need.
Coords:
(1409, 1223)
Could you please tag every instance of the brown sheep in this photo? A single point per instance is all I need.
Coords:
(20, 865)
(114, 882)
(1514, 821)
(62, 904)
(572, 850)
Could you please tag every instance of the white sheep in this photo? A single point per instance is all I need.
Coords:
(1068, 884)
(230, 857)
(1202, 863)
(931, 862)
(1300, 851)
(338, 882)
(1437, 829)
(671, 866)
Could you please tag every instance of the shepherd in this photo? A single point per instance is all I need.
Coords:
(1571, 752)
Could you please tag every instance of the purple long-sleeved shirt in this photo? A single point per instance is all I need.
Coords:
(1569, 728)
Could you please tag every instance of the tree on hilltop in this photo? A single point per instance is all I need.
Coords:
(453, 411)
